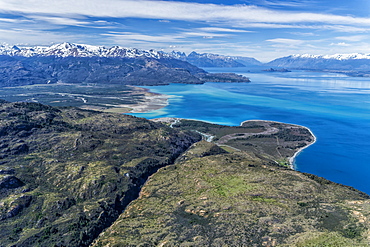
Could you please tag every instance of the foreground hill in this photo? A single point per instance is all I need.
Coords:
(67, 174)
(239, 200)
(72, 63)
(213, 198)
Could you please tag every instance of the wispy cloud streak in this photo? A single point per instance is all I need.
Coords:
(171, 10)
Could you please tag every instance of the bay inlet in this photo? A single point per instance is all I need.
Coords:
(336, 108)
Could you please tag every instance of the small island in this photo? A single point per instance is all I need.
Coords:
(276, 70)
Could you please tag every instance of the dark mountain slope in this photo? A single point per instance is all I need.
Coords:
(72, 63)
(17, 71)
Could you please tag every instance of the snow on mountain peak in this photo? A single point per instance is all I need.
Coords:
(77, 50)
(335, 56)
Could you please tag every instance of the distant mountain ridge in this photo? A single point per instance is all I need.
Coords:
(75, 63)
(336, 61)
(78, 50)
(213, 60)
(354, 61)
(335, 56)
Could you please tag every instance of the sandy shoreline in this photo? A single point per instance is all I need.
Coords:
(152, 101)
(148, 102)
(291, 159)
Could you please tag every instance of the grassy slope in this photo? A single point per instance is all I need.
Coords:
(210, 199)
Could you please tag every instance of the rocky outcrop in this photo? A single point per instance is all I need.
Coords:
(17, 206)
(10, 182)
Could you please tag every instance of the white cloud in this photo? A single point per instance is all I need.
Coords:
(340, 44)
(129, 36)
(344, 28)
(8, 20)
(60, 20)
(203, 34)
(338, 28)
(171, 10)
(354, 38)
(286, 41)
(304, 34)
(164, 38)
(220, 29)
(34, 37)
(284, 3)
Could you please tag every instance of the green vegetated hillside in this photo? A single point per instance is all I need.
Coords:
(243, 197)
(210, 198)
(67, 175)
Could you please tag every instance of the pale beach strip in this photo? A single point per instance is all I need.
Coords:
(291, 159)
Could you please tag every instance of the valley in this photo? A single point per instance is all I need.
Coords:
(108, 98)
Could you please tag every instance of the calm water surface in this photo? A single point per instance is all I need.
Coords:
(335, 107)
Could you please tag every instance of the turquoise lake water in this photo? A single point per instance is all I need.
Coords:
(335, 107)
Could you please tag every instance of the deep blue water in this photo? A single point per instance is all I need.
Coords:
(335, 107)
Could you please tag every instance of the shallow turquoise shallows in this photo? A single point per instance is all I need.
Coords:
(335, 107)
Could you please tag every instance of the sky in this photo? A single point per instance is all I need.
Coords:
(263, 29)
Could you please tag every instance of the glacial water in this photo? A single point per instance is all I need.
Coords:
(335, 107)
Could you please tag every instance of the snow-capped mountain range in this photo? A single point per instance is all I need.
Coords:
(75, 63)
(354, 61)
(78, 50)
(214, 60)
(335, 57)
